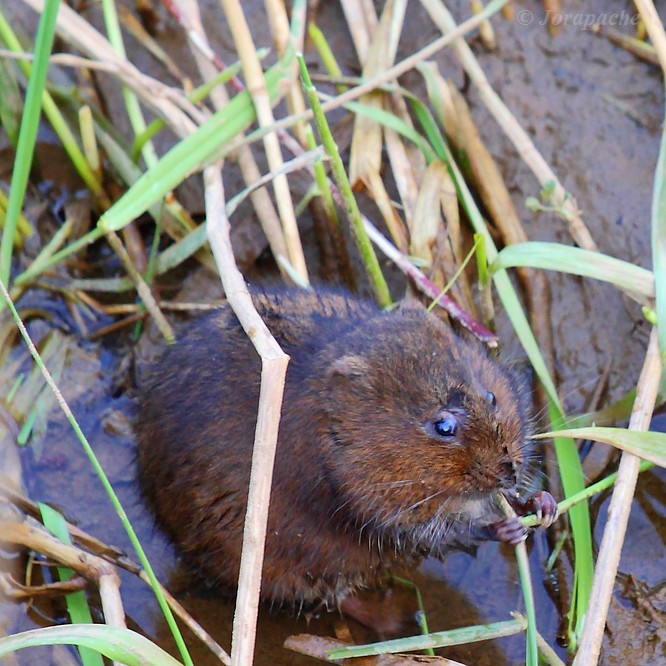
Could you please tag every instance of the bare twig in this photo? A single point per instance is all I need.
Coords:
(273, 372)
(618, 512)
(91, 567)
(209, 63)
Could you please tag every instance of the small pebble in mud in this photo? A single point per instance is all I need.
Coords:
(396, 436)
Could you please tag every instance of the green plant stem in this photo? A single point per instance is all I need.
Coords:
(326, 54)
(422, 617)
(103, 478)
(590, 491)
(523, 563)
(28, 133)
(363, 243)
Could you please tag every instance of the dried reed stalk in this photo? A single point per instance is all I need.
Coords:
(505, 119)
(618, 512)
(279, 23)
(646, 394)
(273, 372)
(256, 86)
(362, 21)
(365, 162)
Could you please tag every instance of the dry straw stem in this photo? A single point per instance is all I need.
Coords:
(362, 22)
(505, 119)
(92, 568)
(167, 102)
(486, 31)
(256, 86)
(654, 28)
(279, 23)
(365, 162)
(407, 161)
(319, 647)
(273, 372)
(618, 512)
(64, 60)
(190, 20)
(141, 287)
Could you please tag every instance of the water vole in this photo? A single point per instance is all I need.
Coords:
(395, 436)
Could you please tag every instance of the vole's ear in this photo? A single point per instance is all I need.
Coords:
(349, 366)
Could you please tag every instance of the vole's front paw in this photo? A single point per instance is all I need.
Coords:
(542, 504)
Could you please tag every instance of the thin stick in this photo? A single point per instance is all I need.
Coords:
(618, 512)
(256, 86)
(273, 372)
(91, 567)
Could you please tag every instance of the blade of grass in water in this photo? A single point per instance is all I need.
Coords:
(28, 133)
(77, 606)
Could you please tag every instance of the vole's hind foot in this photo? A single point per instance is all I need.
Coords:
(386, 614)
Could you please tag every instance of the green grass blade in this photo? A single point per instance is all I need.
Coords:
(644, 444)
(481, 632)
(28, 132)
(122, 645)
(132, 105)
(574, 260)
(77, 606)
(11, 102)
(57, 121)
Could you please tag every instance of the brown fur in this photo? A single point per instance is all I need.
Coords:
(362, 486)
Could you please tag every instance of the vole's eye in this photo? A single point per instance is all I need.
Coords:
(447, 426)
(490, 397)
